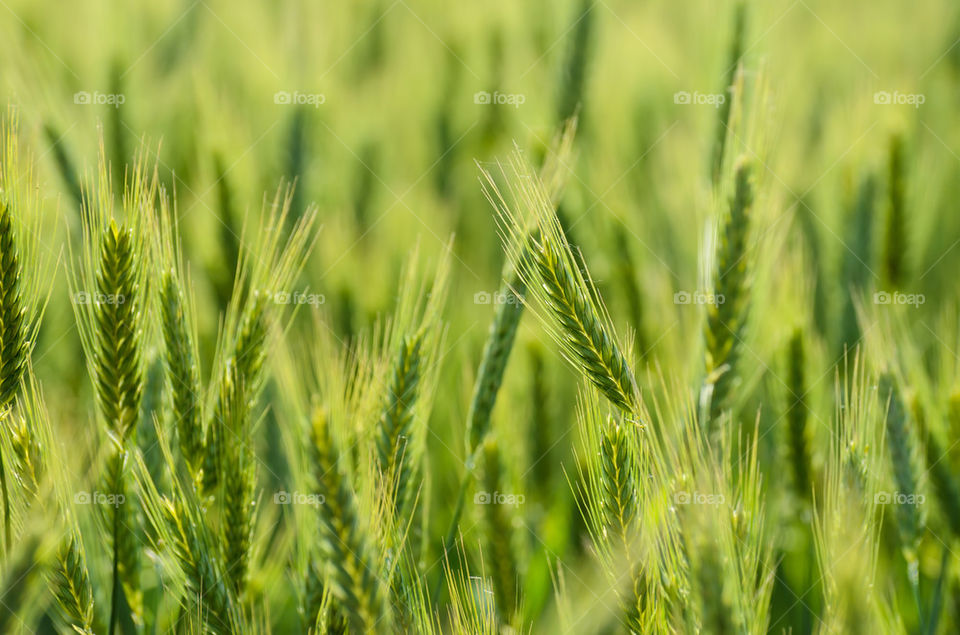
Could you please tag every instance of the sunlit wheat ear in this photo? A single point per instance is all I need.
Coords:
(726, 320)
(534, 239)
(503, 330)
(71, 586)
(110, 300)
(610, 502)
(352, 569)
(22, 270)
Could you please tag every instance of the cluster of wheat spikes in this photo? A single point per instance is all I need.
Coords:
(254, 472)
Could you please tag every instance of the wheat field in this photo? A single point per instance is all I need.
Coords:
(404, 316)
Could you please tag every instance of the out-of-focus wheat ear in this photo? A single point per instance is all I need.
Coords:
(629, 282)
(237, 468)
(179, 523)
(942, 479)
(723, 110)
(178, 325)
(396, 419)
(901, 440)
(70, 581)
(726, 320)
(241, 378)
(499, 531)
(857, 260)
(21, 582)
(496, 353)
(895, 244)
(183, 372)
(575, 69)
(715, 609)
(351, 566)
(797, 442)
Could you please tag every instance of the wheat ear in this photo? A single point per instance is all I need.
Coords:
(349, 560)
(726, 319)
